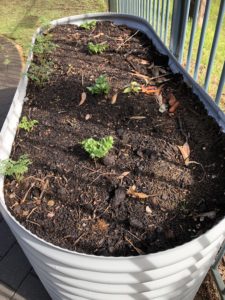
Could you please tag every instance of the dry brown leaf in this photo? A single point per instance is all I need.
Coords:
(144, 62)
(83, 98)
(50, 215)
(132, 192)
(137, 118)
(185, 151)
(51, 203)
(98, 35)
(172, 99)
(88, 116)
(174, 107)
(114, 98)
(124, 174)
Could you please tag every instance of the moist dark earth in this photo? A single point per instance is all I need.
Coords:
(82, 204)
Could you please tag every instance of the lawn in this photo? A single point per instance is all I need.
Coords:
(20, 18)
(220, 52)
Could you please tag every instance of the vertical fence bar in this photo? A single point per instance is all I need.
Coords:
(184, 20)
(214, 44)
(158, 16)
(150, 11)
(202, 38)
(167, 20)
(193, 30)
(175, 30)
(154, 14)
(147, 11)
(162, 18)
(221, 85)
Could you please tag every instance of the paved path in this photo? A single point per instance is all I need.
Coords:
(18, 281)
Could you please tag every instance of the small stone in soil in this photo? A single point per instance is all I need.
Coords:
(109, 160)
(136, 223)
(120, 195)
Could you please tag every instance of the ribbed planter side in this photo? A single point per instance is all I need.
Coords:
(173, 274)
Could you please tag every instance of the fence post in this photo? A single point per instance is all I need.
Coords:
(113, 5)
(178, 27)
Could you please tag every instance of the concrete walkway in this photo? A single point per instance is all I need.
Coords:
(18, 280)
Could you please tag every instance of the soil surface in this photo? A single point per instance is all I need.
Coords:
(142, 198)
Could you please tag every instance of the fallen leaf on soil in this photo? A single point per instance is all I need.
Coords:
(98, 35)
(101, 225)
(124, 174)
(148, 210)
(139, 75)
(150, 89)
(132, 192)
(172, 100)
(51, 203)
(144, 62)
(114, 98)
(137, 118)
(174, 107)
(87, 117)
(25, 213)
(50, 214)
(83, 98)
(185, 151)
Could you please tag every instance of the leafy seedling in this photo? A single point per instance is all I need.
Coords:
(96, 48)
(98, 149)
(101, 86)
(88, 25)
(9, 167)
(40, 73)
(43, 45)
(133, 87)
(26, 124)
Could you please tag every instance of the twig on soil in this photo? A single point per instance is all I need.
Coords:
(33, 210)
(26, 194)
(139, 251)
(130, 37)
(34, 223)
(77, 240)
(133, 235)
(147, 78)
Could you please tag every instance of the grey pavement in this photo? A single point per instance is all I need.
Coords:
(18, 280)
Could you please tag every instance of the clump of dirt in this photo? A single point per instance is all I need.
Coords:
(148, 194)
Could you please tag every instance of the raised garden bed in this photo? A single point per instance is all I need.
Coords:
(142, 197)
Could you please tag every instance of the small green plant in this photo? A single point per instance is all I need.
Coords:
(40, 73)
(98, 149)
(88, 25)
(15, 168)
(43, 45)
(133, 87)
(27, 124)
(96, 48)
(101, 86)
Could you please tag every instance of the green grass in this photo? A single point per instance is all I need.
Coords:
(220, 52)
(19, 19)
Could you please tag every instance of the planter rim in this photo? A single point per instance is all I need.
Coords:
(210, 235)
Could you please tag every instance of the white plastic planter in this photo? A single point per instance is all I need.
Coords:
(173, 274)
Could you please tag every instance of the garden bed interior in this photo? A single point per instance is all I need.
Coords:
(82, 204)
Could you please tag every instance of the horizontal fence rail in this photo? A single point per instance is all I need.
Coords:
(171, 20)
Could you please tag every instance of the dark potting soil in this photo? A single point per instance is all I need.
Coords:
(99, 206)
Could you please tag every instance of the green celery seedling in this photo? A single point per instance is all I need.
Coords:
(101, 86)
(26, 124)
(17, 168)
(98, 149)
(96, 48)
